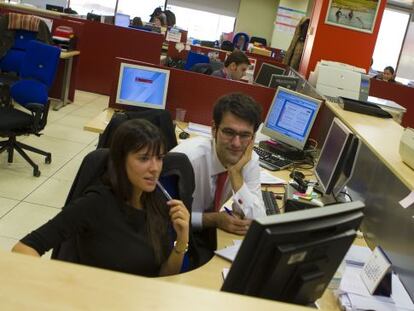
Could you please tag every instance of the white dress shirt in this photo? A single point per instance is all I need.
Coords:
(206, 165)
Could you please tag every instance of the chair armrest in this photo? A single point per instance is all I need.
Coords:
(34, 107)
(37, 111)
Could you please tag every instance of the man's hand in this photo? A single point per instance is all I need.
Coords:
(235, 171)
(232, 223)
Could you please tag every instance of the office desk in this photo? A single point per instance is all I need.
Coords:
(67, 57)
(30, 283)
(99, 123)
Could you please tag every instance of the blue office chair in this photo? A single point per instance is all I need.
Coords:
(195, 58)
(37, 74)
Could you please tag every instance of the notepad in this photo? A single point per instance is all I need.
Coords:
(268, 179)
(228, 253)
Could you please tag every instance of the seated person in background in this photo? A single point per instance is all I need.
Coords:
(235, 66)
(225, 166)
(122, 224)
(137, 22)
(387, 75)
(158, 18)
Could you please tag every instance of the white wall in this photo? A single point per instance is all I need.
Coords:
(406, 63)
(281, 39)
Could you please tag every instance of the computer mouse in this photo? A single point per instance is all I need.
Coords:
(183, 135)
(296, 174)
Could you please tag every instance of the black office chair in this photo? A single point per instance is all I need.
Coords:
(202, 68)
(177, 177)
(259, 40)
(160, 118)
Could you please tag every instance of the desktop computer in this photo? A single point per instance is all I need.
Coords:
(288, 123)
(122, 20)
(265, 73)
(142, 86)
(292, 257)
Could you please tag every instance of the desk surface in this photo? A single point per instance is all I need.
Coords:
(30, 283)
(68, 54)
(382, 136)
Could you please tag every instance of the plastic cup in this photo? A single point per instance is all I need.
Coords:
(180, 114)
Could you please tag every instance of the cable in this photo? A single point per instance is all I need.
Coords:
(347, 194)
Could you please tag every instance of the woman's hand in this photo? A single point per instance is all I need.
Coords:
(180, 218)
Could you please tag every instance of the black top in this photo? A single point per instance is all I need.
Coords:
(109, 233)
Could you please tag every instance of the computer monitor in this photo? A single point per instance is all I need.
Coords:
(142, 86)
(265, 73)
(93, 17)
(292, 257)
(55, 8)
(290, 118)
(337, 158)
(290, 83)
(122, 20)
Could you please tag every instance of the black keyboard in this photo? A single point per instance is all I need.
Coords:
(270, 203)
(271, 161)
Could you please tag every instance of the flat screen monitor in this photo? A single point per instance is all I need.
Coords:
(292, 257)
(334, 156)
(122, 20)
(265, 73)
(55, 8)
(290, 83)
(142, 86)
(290, 118)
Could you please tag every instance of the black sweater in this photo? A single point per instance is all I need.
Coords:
(109, 233)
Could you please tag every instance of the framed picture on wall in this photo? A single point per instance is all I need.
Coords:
(359, 15)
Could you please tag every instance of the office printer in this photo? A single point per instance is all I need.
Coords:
(337, 79)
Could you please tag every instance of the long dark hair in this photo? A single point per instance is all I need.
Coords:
(130, 137)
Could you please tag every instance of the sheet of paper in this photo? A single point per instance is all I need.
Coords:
(408, 200)
(199, 129)
(269, 179)
(225, 272)
(357, 255)
(228, 253)
(237, 242)
(352, 283)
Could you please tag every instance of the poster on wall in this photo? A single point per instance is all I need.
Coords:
(287, 19)
(358, 15)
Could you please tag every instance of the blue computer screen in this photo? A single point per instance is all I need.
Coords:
(122, 20)
(292, 115)
(143, 87)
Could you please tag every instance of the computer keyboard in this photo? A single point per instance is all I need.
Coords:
(270, 203)
(271, 161)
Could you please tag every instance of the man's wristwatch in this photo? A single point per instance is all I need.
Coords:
(178, 250)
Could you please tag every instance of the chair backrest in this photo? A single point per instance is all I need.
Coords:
(40, 62)
(160, 118)
(195, 58)
(227, 46)
(245, 41)
(202, 68)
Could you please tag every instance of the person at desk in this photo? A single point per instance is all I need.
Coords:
(122, 224)
(225, 166)
(235, 66)
(387, 75)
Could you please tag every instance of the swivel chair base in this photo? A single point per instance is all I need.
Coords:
(12, 144)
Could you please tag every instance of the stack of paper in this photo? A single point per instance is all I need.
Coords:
(199, 129)
(229, 252)
(268, 179)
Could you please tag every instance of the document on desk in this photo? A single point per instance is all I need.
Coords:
(228, 253)
(268, 179)
(199, 129)
(357, 255)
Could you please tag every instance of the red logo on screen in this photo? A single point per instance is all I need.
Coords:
(142, 80)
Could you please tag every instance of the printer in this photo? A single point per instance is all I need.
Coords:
(407, 147)
(338, 79)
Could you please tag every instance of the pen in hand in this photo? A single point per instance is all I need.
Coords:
(166, 194)
(228, 211)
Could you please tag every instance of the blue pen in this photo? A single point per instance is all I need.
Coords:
(166, 194)
(228, 211)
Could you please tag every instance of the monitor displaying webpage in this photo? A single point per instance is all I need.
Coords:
(292, 115)
(142, 86)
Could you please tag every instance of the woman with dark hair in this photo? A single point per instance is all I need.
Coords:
(122, 224)
(388, 74)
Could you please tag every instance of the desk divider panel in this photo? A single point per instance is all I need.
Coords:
(194, 92)
(401, 94)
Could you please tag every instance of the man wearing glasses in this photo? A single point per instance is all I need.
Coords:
(226, 167)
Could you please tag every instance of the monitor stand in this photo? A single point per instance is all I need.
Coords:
(284, 150)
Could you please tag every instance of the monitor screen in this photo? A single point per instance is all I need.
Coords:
(142, 86)
(265, 73)
(290, 117)
(333, 155)
(290, 83)
(292, 257)
(122, 20)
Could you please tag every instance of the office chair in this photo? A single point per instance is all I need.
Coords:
(202, 68)
(31, 92)
(160, 118)
(195, 58)
(240, 41)
(227, 46)
(177, 177)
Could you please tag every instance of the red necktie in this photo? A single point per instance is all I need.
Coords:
(221, 180)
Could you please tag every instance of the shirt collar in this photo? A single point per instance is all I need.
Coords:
(216, 166)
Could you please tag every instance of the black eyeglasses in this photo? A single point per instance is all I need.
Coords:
(231, 134)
